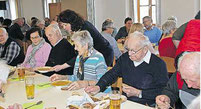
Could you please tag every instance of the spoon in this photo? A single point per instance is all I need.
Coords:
(38, 103)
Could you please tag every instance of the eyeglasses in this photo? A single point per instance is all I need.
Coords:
(111, 27)
(132, 51)
(36, 37)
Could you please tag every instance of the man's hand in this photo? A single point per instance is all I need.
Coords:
(60, 67)
(92, 89)
(131, 91)
(163, 102)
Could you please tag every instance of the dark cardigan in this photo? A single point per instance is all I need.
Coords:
(150, 78)
(62, 53)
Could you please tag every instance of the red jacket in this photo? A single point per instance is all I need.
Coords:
(190, 42)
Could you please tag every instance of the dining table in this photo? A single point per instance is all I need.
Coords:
(50, 96)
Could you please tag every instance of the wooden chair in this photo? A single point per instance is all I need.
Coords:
(169, 64)
(118, 83)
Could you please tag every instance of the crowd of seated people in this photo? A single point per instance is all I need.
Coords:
(86, 58)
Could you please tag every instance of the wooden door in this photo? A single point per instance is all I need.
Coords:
(54, 9)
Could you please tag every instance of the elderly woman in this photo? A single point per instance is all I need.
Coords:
(166, 46)
(38, 52)
(89, 65)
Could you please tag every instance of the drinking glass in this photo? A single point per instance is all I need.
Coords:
(29, 84)
(21, 73)
(115, 99)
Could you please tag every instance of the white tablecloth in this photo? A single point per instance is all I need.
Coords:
(52, 96)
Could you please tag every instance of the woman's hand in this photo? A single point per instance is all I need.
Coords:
(77, 85)
(56, 77)
(60, 67)
(92, 89)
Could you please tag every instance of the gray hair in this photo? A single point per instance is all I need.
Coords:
(55, 28)
(172, 18)
(147, 17)
(18, 20)
(40, 22)
(144, 40)
(197, 67)
(106, 24)
(83, 37)
(4, 30)
(168, 26)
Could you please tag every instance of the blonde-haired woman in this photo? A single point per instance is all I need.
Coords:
(136, 27)
(140, 28)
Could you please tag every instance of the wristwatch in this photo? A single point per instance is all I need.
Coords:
(140, 95)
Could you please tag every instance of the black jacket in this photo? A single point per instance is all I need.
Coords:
(15, 32)
(100, 43)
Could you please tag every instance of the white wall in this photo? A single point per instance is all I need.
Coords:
(184, 10)
(32, 8)
(117, 10)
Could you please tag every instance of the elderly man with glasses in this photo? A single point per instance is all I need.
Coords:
(143, 74)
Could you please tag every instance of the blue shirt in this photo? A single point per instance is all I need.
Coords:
(113, 43)
(154, 34)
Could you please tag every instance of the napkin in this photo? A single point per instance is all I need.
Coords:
(40, 106)
(43, 85)
(4, 71)
(13, 79)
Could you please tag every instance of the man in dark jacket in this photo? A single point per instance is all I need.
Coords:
(15, 30)
(62, 52)
(10, 51)
(187, 89)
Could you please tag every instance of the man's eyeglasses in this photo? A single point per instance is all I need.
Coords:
(132, 51)
(111, 27)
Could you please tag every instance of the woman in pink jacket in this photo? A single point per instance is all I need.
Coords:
(38, 52)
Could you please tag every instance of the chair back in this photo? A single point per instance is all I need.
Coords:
(169, 64)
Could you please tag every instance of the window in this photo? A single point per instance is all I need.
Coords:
(145, 8)
(2, 13)
(13, 9)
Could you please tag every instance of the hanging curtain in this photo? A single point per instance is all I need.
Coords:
(91, 11)
(7, 12)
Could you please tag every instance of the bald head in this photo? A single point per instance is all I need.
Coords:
(190, 61)
(3, 35)
(189, 67)
(53, 33)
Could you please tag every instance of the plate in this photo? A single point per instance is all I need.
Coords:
(43, 69)
(61, 83)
